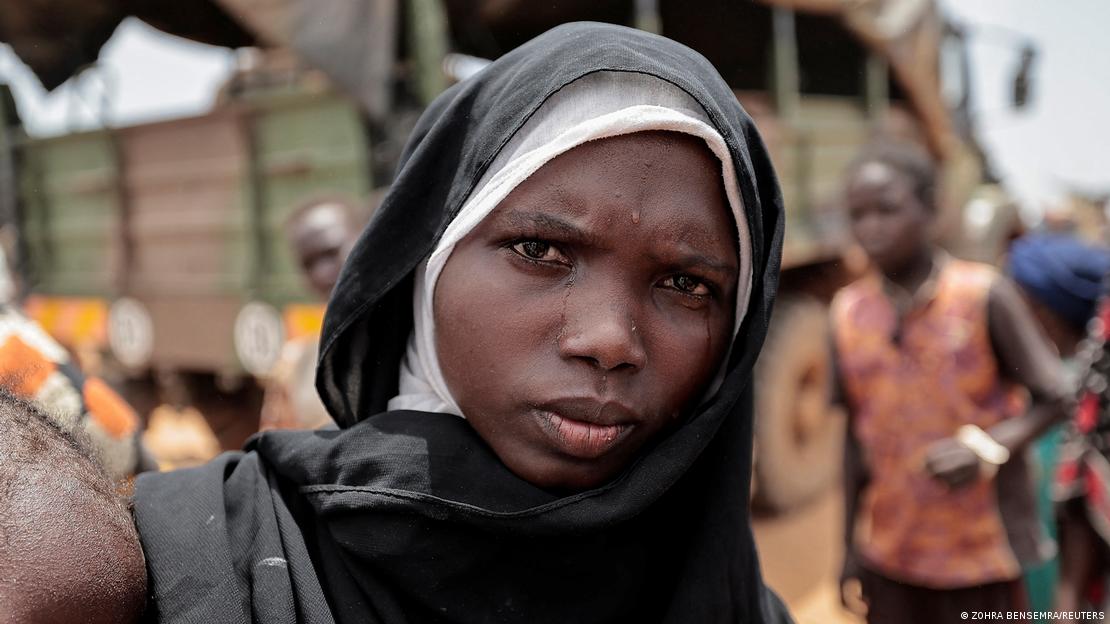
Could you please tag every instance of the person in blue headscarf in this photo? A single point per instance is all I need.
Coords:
(1062, 279)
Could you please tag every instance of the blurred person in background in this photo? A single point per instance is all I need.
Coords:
(1060, 278)
(935, 358)
(36, 368)
(1064, 279)
(321, 233)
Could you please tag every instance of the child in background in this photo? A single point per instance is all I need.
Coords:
(320, 234)
(935, 358)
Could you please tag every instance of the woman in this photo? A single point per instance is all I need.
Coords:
(578, 257)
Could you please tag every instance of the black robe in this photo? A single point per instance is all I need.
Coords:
(408, 517)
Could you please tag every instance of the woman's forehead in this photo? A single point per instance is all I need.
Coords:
(651, 166)
(641, 157)
(658, 187)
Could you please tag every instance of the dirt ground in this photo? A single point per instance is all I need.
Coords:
(801, 556)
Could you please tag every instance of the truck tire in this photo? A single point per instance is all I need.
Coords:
(799, 435)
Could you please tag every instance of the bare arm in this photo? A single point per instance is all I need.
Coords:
(855, 478)
(1026, 357)
(855, 475)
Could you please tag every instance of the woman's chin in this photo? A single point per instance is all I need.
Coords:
(564, 476)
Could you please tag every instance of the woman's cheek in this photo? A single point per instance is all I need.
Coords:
(505, 325)
(688, 344)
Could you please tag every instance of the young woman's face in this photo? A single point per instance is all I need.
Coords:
(888, 220)
(593, 306)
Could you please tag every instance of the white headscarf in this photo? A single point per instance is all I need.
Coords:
(600, 105)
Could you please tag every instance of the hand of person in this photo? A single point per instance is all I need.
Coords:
(851, 588)
(952, 463)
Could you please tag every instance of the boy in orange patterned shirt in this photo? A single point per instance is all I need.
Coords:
(947, 378)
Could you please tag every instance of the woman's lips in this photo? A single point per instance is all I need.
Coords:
(581, 439)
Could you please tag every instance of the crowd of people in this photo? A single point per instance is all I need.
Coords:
(531, 399)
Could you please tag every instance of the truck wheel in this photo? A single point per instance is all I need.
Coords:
(799, 435)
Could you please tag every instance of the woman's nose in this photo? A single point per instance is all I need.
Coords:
(600, 327)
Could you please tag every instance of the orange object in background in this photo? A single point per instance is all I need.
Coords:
(23, 370)
(303, 320)
(34, 367)
(109, 410)
(71, 321)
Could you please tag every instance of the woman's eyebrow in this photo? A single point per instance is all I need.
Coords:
(688, 259)
(550, 222)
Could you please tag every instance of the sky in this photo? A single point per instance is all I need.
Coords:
(143, 75)
(1062, 140)
(1059, 142)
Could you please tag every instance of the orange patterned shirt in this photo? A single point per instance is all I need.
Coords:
(905, 394)
(34, 367)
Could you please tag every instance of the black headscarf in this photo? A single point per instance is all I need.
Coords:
(409, 517)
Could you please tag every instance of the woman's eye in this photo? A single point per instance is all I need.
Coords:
(537, 250)
(687, 284)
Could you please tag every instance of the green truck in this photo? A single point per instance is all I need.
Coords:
(160, 245)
